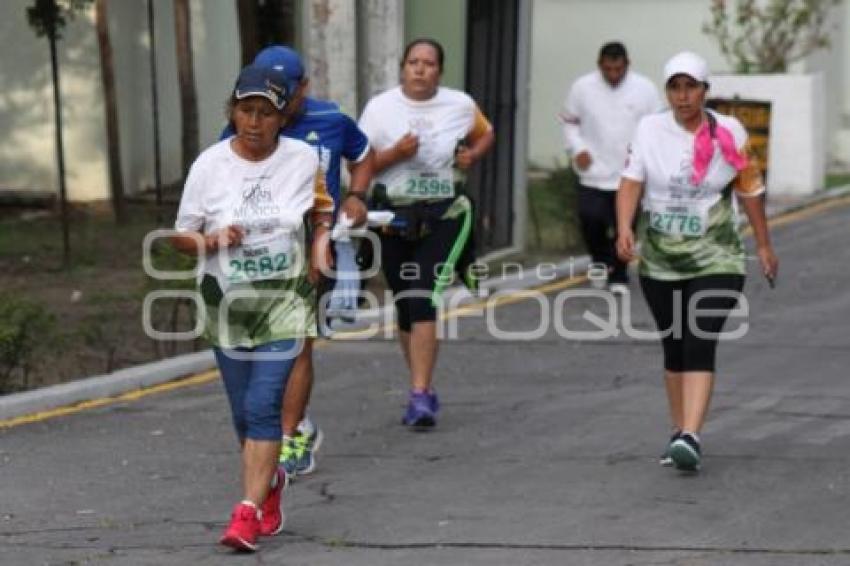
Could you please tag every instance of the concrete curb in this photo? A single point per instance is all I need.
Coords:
(784, 207)
(148, 375)
(108, 385)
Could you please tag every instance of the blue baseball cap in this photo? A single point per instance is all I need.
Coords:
(256, 80)
(285, 59)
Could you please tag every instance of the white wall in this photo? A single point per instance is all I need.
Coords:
(133, 83)
(27, 149)
(840, 71)
(566, 38)
(331, 51)
(216, 51)
(843, 47)
(381, 40)
(832, 63)
(797, 147)
(567, 35)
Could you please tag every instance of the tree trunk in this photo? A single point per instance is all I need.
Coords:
(60, 152)
(157, 161)
(113, 137)
(186, 79)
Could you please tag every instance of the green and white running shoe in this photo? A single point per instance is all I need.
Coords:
(288, 460)
(306, 447)
(686, 453)
(665, 459)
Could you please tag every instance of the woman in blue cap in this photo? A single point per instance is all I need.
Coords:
(242, 212)
(334, 137)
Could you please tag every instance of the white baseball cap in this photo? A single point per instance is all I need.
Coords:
(686, 63)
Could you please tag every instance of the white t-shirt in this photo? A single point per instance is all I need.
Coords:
(661, 157)
(688, 230)
(268, 199)
(439, 122)
(601, 120)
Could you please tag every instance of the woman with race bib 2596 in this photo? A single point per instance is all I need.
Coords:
(421, 132)
(687, 163)
(243, 210)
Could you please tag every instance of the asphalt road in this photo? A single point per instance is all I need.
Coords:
(545, 452)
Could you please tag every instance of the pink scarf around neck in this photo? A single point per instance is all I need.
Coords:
(704, 149)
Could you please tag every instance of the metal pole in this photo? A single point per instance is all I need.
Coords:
(157, 164)
(523, 209)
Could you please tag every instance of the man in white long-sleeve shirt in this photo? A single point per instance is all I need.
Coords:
(600, 114)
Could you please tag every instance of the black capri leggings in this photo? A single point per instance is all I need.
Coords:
(683, 350)
(411, 269)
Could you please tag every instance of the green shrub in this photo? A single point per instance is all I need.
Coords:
(25, 329)
(101, 329)
(553, 213)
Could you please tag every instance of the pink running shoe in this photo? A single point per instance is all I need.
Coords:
(241, 533)
(271, 514)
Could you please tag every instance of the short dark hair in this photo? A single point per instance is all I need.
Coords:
(426, 41)
(613, 50)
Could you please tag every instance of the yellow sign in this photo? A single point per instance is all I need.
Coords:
(755, 116)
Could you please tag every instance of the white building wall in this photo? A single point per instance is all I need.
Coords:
(567, 35)
(843, 46)
(133, 83)
(832, 64)
(26, 103)
(27, 150)
(797, 147)
(381, 41)
(331, 51)
(216, 51)
(841, 70)
(566, 38)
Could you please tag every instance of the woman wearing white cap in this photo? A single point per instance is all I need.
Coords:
(242, 211)
(683, 166)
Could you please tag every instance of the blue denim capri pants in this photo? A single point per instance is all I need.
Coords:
(255, 379)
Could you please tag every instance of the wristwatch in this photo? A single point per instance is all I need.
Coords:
(324, 223)
(357, 194)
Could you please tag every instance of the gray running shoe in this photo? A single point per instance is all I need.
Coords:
(665, 459)
(686, 453)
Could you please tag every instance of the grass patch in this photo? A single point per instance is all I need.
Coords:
(839, 180)
(95, 238)
(96, 303)
(553, 225)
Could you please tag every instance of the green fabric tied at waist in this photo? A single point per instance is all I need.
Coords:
(461, 207)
